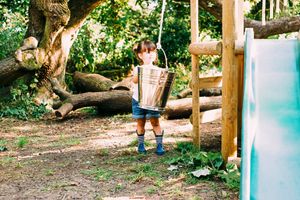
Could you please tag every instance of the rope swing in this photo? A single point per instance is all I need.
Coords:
(158, 44)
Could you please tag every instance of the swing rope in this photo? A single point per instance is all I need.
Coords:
(159, 47)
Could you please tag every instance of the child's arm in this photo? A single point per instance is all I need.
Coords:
(135, 79)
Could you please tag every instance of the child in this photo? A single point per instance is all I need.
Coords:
(146, 53)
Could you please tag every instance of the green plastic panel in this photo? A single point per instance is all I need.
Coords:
(270, 167)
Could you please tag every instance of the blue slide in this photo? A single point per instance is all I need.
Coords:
(270, 168)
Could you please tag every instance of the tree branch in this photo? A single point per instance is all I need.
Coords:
(283, 25)
(80, 10)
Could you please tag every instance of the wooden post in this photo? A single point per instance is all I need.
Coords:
(195, 74)
(230, 81)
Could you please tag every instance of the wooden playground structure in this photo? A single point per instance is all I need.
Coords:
(231, 49)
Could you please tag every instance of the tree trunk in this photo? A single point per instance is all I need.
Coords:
(53, 27)
(182, 108)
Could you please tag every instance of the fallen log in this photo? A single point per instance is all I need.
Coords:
(116, 101)
(10, 70)
(91, 82)
(182, 108)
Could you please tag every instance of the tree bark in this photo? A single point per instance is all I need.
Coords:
(182, 108)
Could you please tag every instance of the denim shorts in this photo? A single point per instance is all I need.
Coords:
(140, 113)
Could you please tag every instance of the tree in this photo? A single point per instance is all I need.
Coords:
(53, 27)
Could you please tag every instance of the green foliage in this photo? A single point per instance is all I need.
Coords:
(13, 6)
(192, 159)
(3, 144)
(99, 174)
(12, 30)
(231, 176)
(19, 103)
(255, 11)
(104, 44)
(21, 142)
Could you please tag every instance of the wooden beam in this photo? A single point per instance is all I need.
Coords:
(206, 48)
(194, 4)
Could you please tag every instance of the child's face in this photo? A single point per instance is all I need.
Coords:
(148, 57)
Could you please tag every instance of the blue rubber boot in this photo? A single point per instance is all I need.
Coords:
(141, 148)
(160, 149)
(159, 142)
(141, 145)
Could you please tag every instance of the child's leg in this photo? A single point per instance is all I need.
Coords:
(141, 126)
(140, 131)
(158, 136)
(156, 126)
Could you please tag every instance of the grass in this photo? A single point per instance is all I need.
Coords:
(66, 141)
(22, 141)
(6, 160)
(3, 146)
(100, 174)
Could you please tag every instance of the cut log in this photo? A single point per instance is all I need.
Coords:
(184, 93)
(211, 92)
(182, 108)
(91, 82)
(125, 84)
(209, 116)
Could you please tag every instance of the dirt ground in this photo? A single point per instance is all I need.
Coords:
(89, 157)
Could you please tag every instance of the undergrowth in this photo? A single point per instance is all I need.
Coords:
(19, 103)
(201, 165)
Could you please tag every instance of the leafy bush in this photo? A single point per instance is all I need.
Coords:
(12, 31)
(201, 164)
(19, 103)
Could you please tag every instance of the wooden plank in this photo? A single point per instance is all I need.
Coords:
(194, 5)
(206, 48)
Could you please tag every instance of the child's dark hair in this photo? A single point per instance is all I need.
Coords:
(144, 46)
